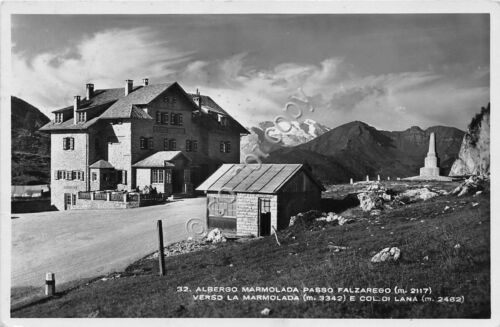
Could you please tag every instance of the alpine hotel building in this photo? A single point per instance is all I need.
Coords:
(137, 136)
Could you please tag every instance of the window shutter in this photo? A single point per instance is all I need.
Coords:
(195, 146)
(72, 143)
(150, 143)
(73, 199)
(64, 143)
(180, 119)
(82, 176)
(172, 118)
(228, 147)
(221, 146)
(56, 174)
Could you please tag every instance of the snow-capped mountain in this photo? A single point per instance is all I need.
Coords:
(298, 132)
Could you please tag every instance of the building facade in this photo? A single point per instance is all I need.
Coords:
(96, 142)
(253, 199)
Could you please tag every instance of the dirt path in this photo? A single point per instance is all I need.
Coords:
(80, 244)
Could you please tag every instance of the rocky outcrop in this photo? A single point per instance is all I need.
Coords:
(387, 254)
(474, 155)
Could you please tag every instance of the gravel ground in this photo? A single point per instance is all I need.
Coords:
(87, 243)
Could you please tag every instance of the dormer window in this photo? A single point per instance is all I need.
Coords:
(82, 117)
(58, 118)
(222, 120)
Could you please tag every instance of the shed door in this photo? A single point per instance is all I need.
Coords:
(264, 217)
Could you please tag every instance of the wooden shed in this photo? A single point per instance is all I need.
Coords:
(251, 199)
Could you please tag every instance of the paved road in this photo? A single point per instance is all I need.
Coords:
(87, 243)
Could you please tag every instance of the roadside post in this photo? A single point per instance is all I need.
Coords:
(161, 256)
(50, 284)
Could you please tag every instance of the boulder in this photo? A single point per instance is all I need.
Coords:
(305, 218)
(369, 201)
(417, 194)
(387, 254)
(215, 236)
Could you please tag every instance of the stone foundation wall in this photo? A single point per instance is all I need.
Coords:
(82, 204)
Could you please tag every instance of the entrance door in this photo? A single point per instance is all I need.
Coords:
(177, 180)
(264, 217)
(67, 201)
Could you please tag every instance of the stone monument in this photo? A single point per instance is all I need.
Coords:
(431, 167)
(430, 170)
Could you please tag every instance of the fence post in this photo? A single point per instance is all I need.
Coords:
(50, 284)
(108, 196)
(125, 197)
(161, 257)
(92, 196)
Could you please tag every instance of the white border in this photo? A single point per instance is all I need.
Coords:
(247, 7)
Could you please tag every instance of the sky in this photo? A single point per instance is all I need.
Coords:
(390, 71)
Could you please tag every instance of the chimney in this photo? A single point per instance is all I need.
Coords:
(90, 90)
(76, 105)
(198, 99)
(129, 84)
(145, 82)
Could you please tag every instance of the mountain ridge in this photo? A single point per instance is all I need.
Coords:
(30, 148)
(357, 149)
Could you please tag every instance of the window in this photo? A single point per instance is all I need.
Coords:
(169, 144)
(168, 176)
(172, 144)
(68, 143)
(191, 145)
(158, 117)
(82, 116)
(170, 100)
(265, 205)
(78, 175)
(59, 117)
(124, 177)
(94, 177)
(222, 120)
(225, 147)
(70, 175)
(176, 119)
(150, 143)
(164, 118)
(144, 143)
(157, 176)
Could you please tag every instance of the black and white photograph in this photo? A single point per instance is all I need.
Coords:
(223, 160)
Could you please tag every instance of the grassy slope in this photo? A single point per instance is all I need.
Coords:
(419, 230)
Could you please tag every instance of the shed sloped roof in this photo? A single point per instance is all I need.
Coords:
(252, 178)
(159, 159)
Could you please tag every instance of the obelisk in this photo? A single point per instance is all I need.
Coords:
(431, 167)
